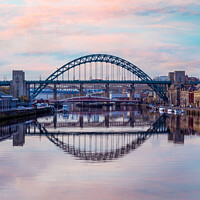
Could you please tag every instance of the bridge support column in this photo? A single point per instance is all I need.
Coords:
(55, 120)
(34, 88)
(117, 105)
(132, 119)
(54, 92)
(28, 91)
(107, 120)
(81, 90)
(81, 121)
(132, 92)
(107, 90)
(18, 86)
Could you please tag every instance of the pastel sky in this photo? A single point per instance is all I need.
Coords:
(38, 36)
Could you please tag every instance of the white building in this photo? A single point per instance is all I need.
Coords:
(119, 95)
(161, 78)
(7, 102)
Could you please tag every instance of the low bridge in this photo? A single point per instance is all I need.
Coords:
(88, 99)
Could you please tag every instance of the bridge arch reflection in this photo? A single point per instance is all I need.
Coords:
(101, 146)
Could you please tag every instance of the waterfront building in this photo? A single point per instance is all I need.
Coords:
(7, 102)
(191, 79)
(197, 98)
(177, 91)
(174, 94)
(190, 97)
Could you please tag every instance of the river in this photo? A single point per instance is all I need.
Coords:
(95, 155)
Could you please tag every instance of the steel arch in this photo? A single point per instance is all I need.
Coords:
(107, 59)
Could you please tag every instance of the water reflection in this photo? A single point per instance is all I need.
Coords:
(124, 123)
(182, 126)
(155, 157)
(16, 132)
(90, 141)
(100, 146)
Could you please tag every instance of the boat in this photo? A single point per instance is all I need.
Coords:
(169, 111)
(65, 108)
(183, 111)
(176, 111)
(155, 109)
(161, 109)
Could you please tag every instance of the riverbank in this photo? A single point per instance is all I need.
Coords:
(28, 112)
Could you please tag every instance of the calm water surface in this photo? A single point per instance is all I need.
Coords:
(101, 155)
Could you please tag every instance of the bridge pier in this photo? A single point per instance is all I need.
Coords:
(55, 120)
(81, 121)
(107, 90)
(28, 91)
(132, 92)
(18, 86)
(132, 119)
(81, 90)
(107, 120)
(34, 88)
(117, 105)
(54, 92)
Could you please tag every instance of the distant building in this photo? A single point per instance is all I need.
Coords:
(191, 79)
(171, 76)
(161, 78)
(177, 76)
(7, 102)
(124, 95)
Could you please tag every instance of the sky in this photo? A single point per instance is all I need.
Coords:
(39, 36)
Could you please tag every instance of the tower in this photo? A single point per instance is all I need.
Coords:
(18, 84)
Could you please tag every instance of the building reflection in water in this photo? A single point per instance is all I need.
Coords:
(181, 126)
(19, 137)
(16, 132)
(177, 136)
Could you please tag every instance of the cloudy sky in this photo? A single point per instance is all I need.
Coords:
(38, 36)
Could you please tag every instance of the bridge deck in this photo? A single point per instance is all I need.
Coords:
(97, 82)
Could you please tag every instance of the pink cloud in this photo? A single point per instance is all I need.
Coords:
(117, 27)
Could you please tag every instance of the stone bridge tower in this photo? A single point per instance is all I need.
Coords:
(18, 84)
